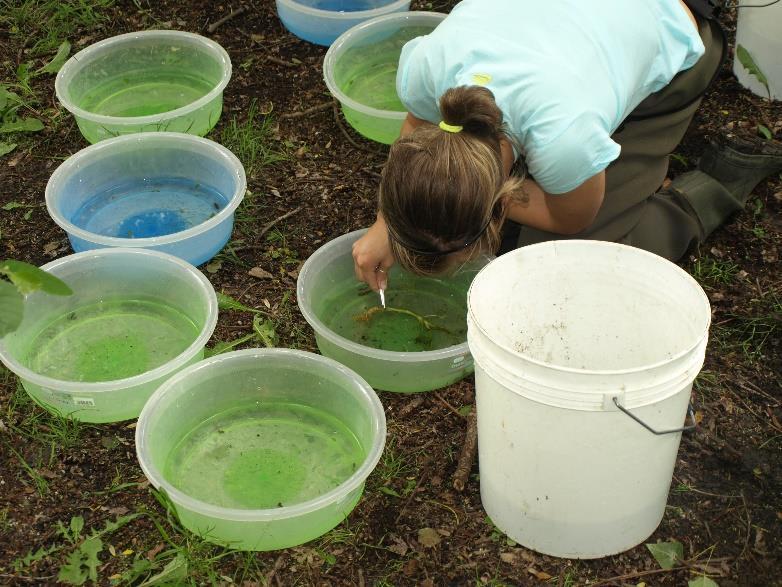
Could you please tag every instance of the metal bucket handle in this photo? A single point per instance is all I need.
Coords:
(690, 413)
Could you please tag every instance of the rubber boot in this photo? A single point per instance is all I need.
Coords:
(739, 164)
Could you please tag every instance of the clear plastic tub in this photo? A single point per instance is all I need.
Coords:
(171, 192)
(325, 276)
(145, 81)
(360, 71)
(322, 21)
(222, 440)
(135, 318)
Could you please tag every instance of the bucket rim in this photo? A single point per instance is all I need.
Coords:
(597, 372)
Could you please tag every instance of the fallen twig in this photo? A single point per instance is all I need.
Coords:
(445, 403)
(267, 227)
(279, 61)
(218, 23)
(468, 454)
(621, 578)
(307, 112)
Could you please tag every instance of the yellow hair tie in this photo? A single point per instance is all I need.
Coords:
(450, 127)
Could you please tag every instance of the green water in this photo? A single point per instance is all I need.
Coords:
(145, 92)
(368, 73)
(443, 305)
(264, 456)
(110, 340)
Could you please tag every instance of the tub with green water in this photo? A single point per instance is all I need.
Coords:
(135, 317)
(360, 71)
(417, 343)
(144, 82)
(262, 449)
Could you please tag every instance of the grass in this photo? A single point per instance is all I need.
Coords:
(252, 142)
(748, 333)
(709, 271)
(50, 22)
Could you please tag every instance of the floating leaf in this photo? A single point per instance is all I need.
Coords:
(702, 581)
(6, 148)
(28, 278)
(666, 553)
(752, 68)
(58, 60)
(11, 308)
(22, 125)
(764, 132)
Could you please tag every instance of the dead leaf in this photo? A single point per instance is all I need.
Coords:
(429, 537)
(411, 567)
(427, 583)
(119, 511)
(275, 192)
(214, 266)
(50, 248)
(260, 273)
(508, 557)
(541, 575)
(153, 552)
(770, 255)
(399, 546)
(266, 303)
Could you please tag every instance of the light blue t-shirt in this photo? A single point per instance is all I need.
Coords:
(565, 73)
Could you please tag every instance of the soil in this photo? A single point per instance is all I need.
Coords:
(411, 527)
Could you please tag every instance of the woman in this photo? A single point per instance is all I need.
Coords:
(590, 96)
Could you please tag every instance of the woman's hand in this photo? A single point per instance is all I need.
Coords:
(372, 256)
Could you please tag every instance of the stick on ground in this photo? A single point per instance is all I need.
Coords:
(468, 454)
(218, 23)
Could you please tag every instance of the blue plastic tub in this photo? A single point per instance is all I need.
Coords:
(169, 192)
(322, 21)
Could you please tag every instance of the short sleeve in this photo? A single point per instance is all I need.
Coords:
(565, 162)
(414, 84)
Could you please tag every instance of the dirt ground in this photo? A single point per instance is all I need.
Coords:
(411, 527)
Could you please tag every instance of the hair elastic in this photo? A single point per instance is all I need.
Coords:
(450, 127)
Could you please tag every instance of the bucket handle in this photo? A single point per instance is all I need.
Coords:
(690, 413)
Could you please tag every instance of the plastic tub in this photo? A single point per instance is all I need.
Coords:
(322, 21)
(145, 81)
(563, 333)
(262, 449)
(169, 192)
(135, 318)
(360, 71)
(328, 297)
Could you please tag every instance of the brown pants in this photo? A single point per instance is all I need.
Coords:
(664, 222)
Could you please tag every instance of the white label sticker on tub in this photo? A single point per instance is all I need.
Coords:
(458, 362)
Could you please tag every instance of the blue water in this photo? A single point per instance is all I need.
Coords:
(149, 208)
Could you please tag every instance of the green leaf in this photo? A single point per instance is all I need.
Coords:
(175, 571)
(265, 330)
(667, 553)
(752, 68)
(90, 548)
(72, 572)
(764, 132)
(226, 302)
(225, 346)
(11, 308)
(58, 60)
(388, 491)
(22, 125)
(77, 525)
(702, 581)
(28, 278)
(6, 148)
(13, 206)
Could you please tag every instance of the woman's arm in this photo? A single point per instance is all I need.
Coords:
(567, 213)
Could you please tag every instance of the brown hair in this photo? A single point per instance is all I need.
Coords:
(443, 192)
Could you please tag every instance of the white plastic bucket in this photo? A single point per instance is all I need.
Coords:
(557, 331)
(759, 31)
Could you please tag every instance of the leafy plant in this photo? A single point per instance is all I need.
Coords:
(82, 563)
(24, 279)
(667, 554)
(752, 68)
